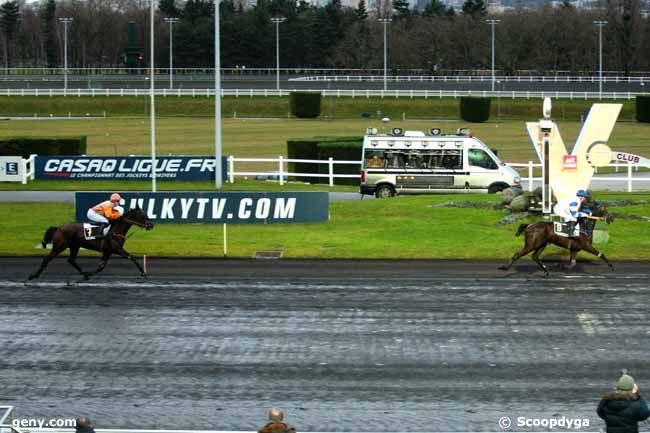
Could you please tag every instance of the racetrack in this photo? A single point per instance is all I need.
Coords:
(427, 345)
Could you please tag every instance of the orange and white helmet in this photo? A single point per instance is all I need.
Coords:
(116, 197)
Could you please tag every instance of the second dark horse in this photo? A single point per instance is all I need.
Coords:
(72, 236)
(540, 234)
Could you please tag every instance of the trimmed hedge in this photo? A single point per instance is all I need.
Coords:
(305, 104)
(474, 109)
(309, 148)
(343, 151)
(643, 109)
(25, 146)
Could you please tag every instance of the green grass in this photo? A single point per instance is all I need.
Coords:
(331, 107)
(404, 227)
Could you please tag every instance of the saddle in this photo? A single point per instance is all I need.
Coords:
(562, 229)
(94, 231)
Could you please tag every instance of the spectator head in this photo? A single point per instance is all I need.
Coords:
(625, 383)
(275, 414)
(83, 422)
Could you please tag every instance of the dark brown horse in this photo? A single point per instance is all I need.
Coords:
(72, 236)
(540, 234)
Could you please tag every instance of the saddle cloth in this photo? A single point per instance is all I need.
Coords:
(92, 231)
(561, 229)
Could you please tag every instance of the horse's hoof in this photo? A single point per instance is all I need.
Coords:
(143, 274)
(86, 275)
(31, 277)
(503, 268)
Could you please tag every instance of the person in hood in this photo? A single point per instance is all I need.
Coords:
(276, 423)
(84, 425)
(624, 407)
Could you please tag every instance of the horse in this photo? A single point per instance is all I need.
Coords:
(72, 236)
(540, 234)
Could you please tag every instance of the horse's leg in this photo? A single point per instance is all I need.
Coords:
(56, 250)
(595, 252)
(572, 260)
(124, 253)
(530, 244)
(102, 264)
(536, 255)
(74, 250)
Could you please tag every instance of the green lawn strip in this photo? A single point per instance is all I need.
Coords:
(258, 106)
(246, 138)
(404, 227)
(136, 185)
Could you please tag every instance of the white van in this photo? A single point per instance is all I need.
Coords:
(412, 162)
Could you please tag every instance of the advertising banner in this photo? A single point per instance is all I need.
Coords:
(127, 167)
(11, 169)
(218, 207)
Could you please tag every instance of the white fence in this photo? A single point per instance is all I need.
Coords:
(472, 79)
(339, 93)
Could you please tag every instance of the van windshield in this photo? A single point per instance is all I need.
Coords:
(480, 158)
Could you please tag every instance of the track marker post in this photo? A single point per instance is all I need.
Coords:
(225, 241)
(144, 263)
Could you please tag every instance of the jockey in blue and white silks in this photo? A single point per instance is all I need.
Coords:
(570, 209)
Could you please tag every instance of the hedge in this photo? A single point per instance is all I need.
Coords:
(643, 109)
(308, 148)
(474, 109)
(342, 151)
(305, 104)
(25, 146)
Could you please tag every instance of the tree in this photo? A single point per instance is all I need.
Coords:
(401, 8)
(474, 8)
(9, 18)
(168, 8)
(435, 8)
(361, 12)
(48, 15)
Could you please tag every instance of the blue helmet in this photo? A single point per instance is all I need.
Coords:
(582, 193)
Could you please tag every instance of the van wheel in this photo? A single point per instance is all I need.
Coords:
(384, 191)
(497, 187)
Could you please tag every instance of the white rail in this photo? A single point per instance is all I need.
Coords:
(472, 78)
(339, 93)
(29, 168)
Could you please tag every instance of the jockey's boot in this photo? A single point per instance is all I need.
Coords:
(571, 227)
(105, 229)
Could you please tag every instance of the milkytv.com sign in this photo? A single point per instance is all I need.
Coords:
(226, 207)
(126, 168)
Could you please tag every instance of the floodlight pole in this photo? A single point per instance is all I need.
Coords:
(600, 25)
(493, 23)
(153, 100)
(65, 22)
(385, 22)
(217, 99)
(171, 22)
(277, 21)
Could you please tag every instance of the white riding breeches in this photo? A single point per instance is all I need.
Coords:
(95, 217)
(564, 212)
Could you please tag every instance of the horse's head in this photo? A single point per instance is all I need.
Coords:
(601, 211)
(138, 217)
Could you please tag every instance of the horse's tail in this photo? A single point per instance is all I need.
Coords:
(49, 234)
(522, 228)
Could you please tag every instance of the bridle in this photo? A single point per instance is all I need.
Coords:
(133, 222)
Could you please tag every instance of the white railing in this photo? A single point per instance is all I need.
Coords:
(29, 168)
(5, 414)
(353, 93)
(282, 173)
(472, 78)
(629, 178)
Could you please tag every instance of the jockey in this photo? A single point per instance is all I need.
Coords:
(570, 209)
(107, 211)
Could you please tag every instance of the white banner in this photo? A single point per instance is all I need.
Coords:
(11, 169)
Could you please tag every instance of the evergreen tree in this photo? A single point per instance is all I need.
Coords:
(474, 8)
(48, 15)
(9, 17)
(401, 8)
(361, 13)
(168, 8)
(435, 8)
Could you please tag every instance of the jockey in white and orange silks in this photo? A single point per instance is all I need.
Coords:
(107, 211)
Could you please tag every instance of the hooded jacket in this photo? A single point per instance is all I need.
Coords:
(622, 410)
(277, 427)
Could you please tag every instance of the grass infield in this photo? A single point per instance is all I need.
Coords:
(400, 228)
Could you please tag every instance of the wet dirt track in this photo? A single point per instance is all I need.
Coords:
(340, 345)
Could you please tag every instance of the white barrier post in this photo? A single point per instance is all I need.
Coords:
(231, 168)
(225, 242)
(23, 173)
(281, 171)
(629, 178)
(530, 176)
(330, 163)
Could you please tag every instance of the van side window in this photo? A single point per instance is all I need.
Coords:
(395, 160)
(375, 159)
(479, 158)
